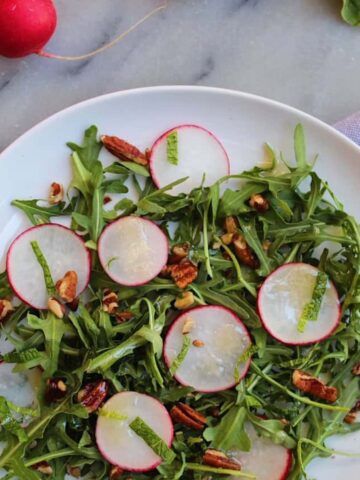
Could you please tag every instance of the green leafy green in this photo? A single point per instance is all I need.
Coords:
(230, 433)
(350, 12)
(311, 309)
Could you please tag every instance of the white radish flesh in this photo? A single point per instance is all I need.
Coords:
(282, 299)
(133, 250)
(63, 251)
(119, 444)
(266, 460)
(223, 338)
(199, 153)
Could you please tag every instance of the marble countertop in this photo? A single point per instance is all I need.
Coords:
(295, 51)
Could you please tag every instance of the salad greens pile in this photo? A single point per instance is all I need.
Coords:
(90, 344)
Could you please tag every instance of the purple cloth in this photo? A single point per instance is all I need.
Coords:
(350, 127)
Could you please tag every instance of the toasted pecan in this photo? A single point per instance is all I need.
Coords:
(6, 307)
(244, 253)
(56, 194)
(184, 414)
(314, 386)
(66, 287)
(356, 369)
(56, 307)
(231, 224)
(179, 252)
(92, 395)
(259, 203)
(123, 316)
(55, 389)
(352, 416)
(109, 301)
(185, 301)
(43, 467)
(217, 459)
(124, 150)
(182, 273)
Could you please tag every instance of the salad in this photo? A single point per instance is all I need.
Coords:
(205, 327)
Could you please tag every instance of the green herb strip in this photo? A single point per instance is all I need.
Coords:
(181, 356)
(312, 309)
(152, 439)
(172, 147)
(197, 467)
(244, 357)
(104, 412)
(49, 282)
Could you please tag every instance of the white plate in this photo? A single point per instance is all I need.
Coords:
(241, 121)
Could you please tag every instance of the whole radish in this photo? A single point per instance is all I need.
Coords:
(25, 26)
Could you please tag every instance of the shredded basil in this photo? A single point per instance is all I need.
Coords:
(49, 282)
(172, 147)
(104, 412)
(311, 310)
(181, 356)
(152, 439)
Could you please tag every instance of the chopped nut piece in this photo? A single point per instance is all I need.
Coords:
(182, 273)
(244, 252)
(123, 150)
(259, 202)
(66, 287)
(74, 305)
(56, 307)
(106, 200)
(227, 238)
(352, 416)
(188, 325)
(184, 414)
(216, 245)
(217, 459)
(43, 467)
(356, 369)
(314, 386)
(198, 343)
(56, 194)
(123, 316)
(266, 245)
(110, 301)
(6, 307)
(179, 252)
(92, 395)
(231, 225)
(115, 473)
(185, 301)
(55, 390)
(74, 471)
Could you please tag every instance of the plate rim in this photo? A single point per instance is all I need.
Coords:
(329, 129)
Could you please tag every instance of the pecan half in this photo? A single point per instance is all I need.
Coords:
(185, 301)
(66, 287)
(6, 307)
(56, 194)
(182, 413)
(179, 252)
(124, 150)
(244, 253)
(314, 386)
(351, 417)
(356, 369)
(231, 225)
(43, 467)
(182, 273)
(55, 390)
(110, 301)
(227, 238)
(259, 202)
(74, 305)
(214, 458)
(123, 316)
(56, 307)
(92, 395)
(115, 473)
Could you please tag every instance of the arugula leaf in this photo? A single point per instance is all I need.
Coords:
(350, 12)
(230, 432)
(38, 214)
(89, 151)
(8, 422)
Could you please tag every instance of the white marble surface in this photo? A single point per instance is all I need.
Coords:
(295, 51)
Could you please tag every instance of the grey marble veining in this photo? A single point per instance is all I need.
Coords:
(295, 51)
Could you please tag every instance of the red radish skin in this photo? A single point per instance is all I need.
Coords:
(179, 127)
(25, 26)
(9, 253)
(103, 260)
(168, 443)
(188, 314)
(297, 343)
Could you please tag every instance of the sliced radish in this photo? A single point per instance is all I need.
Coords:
(133, 250)
(266, 460)
(282, 299)
(119, 444)
(214, 364)
(63, 251)
(199, 153)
